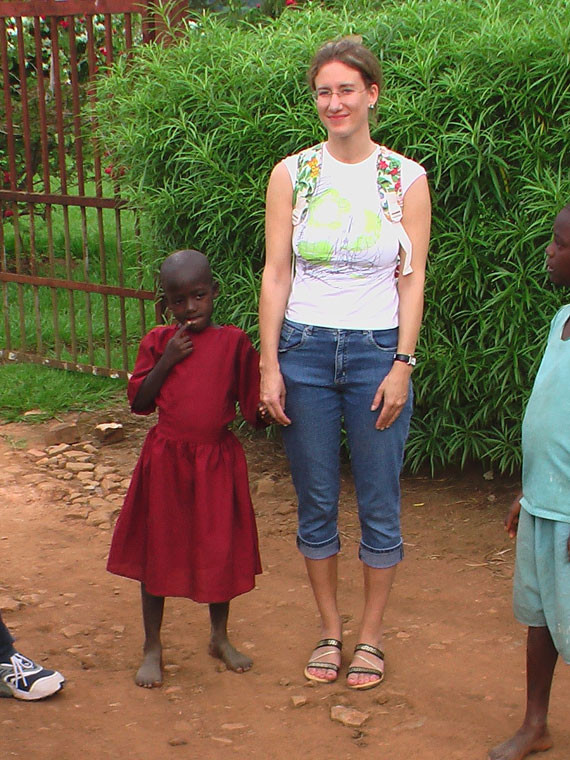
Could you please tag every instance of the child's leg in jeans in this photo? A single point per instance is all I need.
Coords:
(150, 672)
(533, 735)
(220, 646)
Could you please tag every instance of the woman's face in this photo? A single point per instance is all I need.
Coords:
(343, 100)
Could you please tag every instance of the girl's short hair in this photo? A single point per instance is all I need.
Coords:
(351, 52)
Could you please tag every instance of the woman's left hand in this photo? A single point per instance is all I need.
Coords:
(392, 395)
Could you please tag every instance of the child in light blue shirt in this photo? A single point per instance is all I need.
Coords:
(540, 517)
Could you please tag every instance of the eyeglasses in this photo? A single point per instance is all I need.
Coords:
(324, 95)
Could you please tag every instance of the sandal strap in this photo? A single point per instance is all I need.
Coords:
(329, 643)
(368, 671)
(370, 649)
(323, 665)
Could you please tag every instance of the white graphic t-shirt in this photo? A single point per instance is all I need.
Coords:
(345, 250)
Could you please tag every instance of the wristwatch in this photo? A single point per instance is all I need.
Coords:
(406, 358)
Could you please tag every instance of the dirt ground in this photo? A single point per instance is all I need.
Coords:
(455, 657)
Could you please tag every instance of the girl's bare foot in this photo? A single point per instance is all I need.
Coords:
(149, 674)
(229, 655)
(524, 742)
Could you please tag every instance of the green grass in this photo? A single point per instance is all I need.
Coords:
(27, 387)
(32, 314)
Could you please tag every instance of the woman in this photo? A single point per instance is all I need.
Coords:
(337, 345)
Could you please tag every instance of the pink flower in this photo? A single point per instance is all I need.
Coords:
(8, 212)
(109, 169)
(290, 2)
(64, 23)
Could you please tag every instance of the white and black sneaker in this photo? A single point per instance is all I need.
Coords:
(23, 679)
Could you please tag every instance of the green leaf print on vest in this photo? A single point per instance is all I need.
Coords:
(323, 223)
(371, 234)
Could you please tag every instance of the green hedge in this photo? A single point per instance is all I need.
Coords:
(476, 91)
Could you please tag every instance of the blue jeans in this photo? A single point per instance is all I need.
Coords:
(331, 377)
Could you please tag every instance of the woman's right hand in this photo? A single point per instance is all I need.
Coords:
(512, 518)
(272, 393)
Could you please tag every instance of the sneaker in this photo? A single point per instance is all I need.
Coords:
(23, 679)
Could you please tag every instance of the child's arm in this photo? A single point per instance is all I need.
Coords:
(512, 518)
(178, 347)
(247, 376)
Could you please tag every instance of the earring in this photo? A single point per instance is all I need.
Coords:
(371, 106)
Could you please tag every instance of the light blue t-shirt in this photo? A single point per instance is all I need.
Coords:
(546, 431)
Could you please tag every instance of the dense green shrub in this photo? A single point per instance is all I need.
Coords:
(476, 91)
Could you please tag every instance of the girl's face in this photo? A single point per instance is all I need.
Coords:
(343, 100)
(191, 301)
(558, 251)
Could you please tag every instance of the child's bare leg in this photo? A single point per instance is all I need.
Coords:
(150, 672)
(219, 643)
(533, 735)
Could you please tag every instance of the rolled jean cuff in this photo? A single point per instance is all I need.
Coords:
(323, 550)
(381, 558)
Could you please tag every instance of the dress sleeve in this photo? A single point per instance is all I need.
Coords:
(248, 381)
(148, 355)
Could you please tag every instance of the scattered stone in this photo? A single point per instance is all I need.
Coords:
(172, 669)
(265, 486)
(59, 449)
(348, 716)
(89, 448)
(233, 726)
(85, 477)
(99, 518)
(64, 475)
(222, 740)
(9, 604)
(286, 509)
(177, 741)
(102, 469)
(173, 689)
(62, 432)
(118, 628)
(33, 478)
(31, 598)
(297, 701)
(110, 432)
(75, 454)
(403, 635)
(79, 466)
(436, 646)
(36, 453)
(109, 485)
(75, 629)
(33, 413)
(284, 682)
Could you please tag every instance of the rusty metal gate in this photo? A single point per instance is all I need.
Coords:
(72, 288)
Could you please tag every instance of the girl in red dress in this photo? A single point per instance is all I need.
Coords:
(187, 527)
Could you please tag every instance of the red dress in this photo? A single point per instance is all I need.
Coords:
(187, 527)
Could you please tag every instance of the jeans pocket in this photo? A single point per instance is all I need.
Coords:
(292, 336)
(385, 340)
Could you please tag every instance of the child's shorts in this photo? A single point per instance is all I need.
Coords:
(541, 592)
